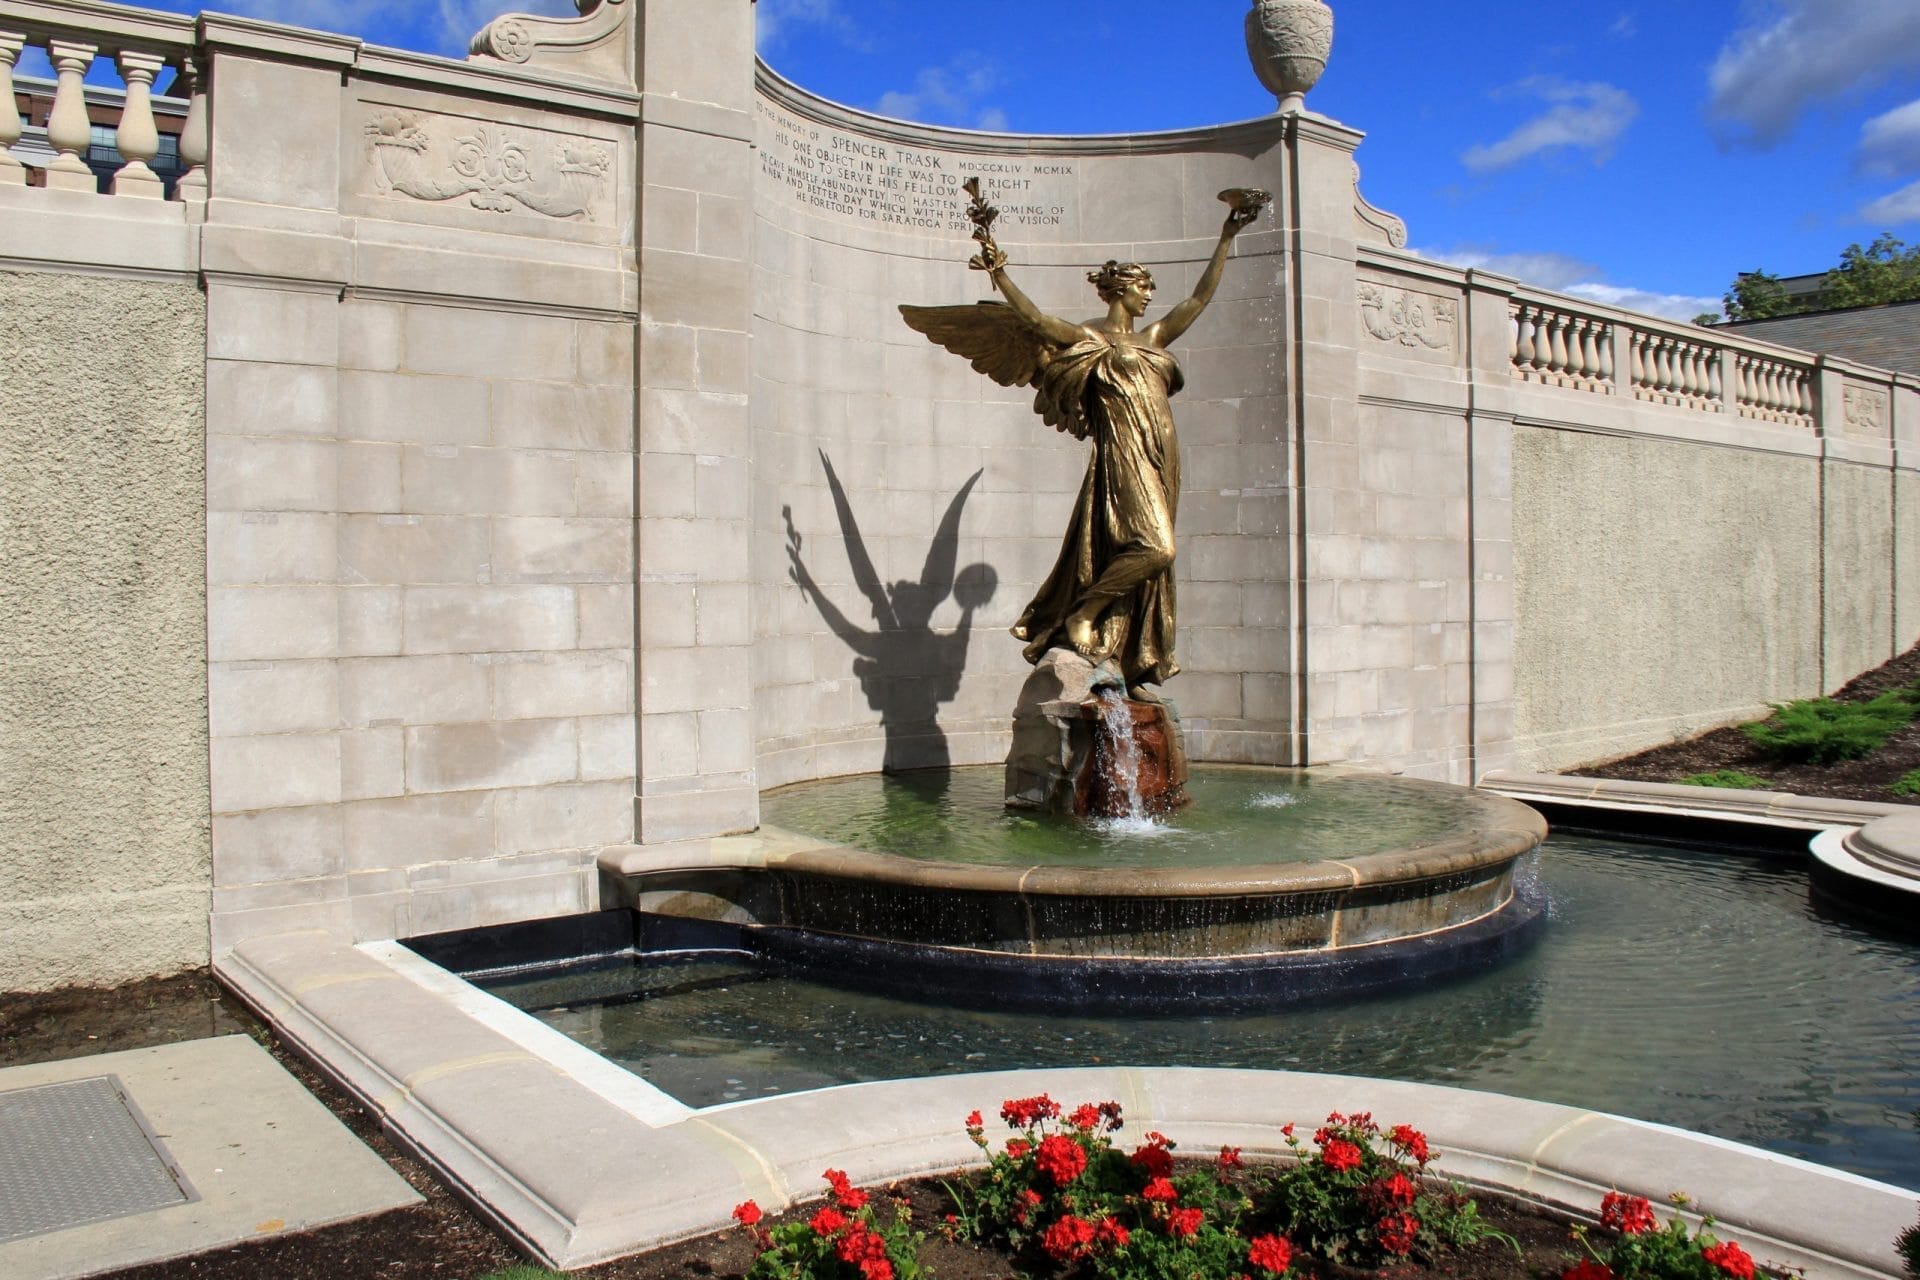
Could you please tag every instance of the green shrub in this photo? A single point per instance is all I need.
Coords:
(1732, 779)
(1907, 784)
(1908, 1243)
(1822, 731)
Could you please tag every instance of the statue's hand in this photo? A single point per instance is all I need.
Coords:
(1244, 206)
(990, 258)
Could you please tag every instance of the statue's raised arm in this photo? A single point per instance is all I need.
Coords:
(1110, 597)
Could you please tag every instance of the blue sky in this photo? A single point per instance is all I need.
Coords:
(1637, 151)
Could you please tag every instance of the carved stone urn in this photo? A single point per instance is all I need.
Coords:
(1289, 41)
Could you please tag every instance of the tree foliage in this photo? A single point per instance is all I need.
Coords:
(1888, 270)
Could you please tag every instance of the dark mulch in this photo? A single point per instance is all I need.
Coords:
(1729, 748)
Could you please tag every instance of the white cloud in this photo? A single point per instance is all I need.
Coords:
(1588, 117)
(1626, 26)
(949, 95)
(776, 20)
(1672, 306)
(1564, 273)
(1890, 143)
(1804, 50)
(1892, 210)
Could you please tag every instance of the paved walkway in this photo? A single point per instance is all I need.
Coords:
(126, 1158)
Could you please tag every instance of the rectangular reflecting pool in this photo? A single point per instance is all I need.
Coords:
(1702, 990)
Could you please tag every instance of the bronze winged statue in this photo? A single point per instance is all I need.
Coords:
(1110, 596)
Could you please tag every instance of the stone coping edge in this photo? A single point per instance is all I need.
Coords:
(1779, 808)
(1505, 831)
(575, 1178)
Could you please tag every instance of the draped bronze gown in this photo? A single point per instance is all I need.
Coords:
(1119, 547)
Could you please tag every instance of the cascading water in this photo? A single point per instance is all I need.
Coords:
(1116, 754)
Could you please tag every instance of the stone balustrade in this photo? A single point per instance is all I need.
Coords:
(1556, 342)
(141, 46)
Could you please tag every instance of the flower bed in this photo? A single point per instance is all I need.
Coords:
(1060, 1197)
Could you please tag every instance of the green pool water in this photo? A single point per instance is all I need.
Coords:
(1239, 817)
(1694, 989)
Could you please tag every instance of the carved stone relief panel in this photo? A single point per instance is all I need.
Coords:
(1410, 321)
(506, 169)
(1867, 412)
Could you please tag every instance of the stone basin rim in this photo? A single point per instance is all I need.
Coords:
(1507, 829)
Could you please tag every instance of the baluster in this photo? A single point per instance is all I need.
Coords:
(68, 130)
(192, 185)
(1557, 353)
(12, 171)
(1662, 370)
(1774, 398)
(1637, 354)
(1802, 395)
(1696, 376)
(1608, 336)
(137, 139)
(1716, 382)
(1748, 391)
(1519, 346)
(1589, 352)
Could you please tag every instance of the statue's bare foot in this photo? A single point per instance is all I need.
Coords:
(1144, 692)
(1083, 634)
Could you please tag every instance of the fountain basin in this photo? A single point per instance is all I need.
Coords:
(1286, 906)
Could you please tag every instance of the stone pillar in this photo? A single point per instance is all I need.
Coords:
(693, 446)
(1490, 655)
(1335, 667)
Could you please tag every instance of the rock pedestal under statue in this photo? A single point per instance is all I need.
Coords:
(1066, 758)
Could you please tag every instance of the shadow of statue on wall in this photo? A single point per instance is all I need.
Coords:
(905, 668)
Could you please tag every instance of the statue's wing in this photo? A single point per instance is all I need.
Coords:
(990, 335)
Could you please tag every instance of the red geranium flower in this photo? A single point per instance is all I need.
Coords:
(1411, 1141)
(1110, 1112)
(1184, 1222)
(1340, 1155)
(974, 1121)
(1068, 1238)
(1025, 1112)
(1156, 1156)
(827, 1221)
(1229, 1158)
(1084, 1116)
(1018, 1147)
(1730, 1258)
(876, 1269)
(1274, 1253)
(746, 1213)
(1589, 1270)
(1396, 1191)
(1160, 1188)
(1061, 1158)
(1112, 1232)
(1397, 1232)
(1629, 1215)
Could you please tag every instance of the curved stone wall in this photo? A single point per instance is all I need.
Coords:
(878, 641)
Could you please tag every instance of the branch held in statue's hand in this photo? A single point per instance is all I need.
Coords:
(983, 215)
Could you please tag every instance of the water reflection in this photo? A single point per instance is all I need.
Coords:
(1691, 989)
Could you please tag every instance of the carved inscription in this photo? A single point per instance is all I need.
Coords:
(889, 184)
(1406, 318)
(490, 166)
(1866, 411)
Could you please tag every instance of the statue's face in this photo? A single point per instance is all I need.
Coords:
(1137, 296)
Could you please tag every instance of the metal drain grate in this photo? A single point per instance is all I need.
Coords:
(76, 1153)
